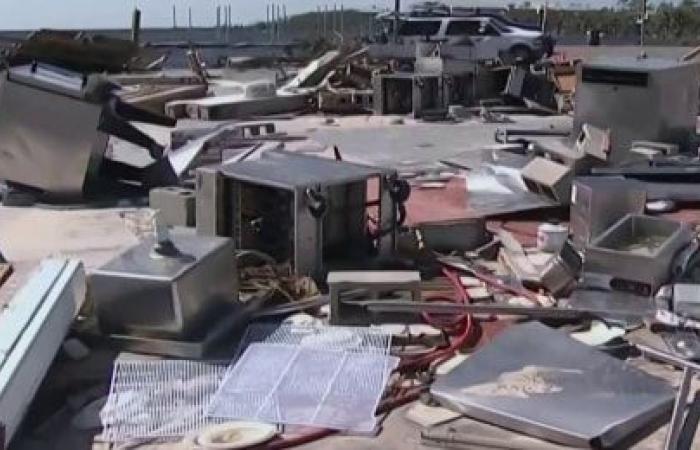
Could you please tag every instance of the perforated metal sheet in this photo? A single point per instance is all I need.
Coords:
(355, 339)
(158, 398)
(305, 385)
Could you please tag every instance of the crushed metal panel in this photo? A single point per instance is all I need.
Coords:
(33, 328)
(539, 381)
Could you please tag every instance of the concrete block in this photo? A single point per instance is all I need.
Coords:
(549, 178)
(176, 205)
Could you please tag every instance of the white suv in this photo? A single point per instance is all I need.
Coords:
(492, 36)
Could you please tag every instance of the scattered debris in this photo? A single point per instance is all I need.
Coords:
(311, 263)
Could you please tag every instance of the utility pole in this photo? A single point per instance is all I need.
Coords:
(272, 23)
(318, 21)
(342, 20)
(230, 21)
(136, 26)
(279, 22)
(325, 21)
(641, 21)
(285, 22)
(334, 18)
(174, 17)
(189, 16)
(397, 11)
(218, 22)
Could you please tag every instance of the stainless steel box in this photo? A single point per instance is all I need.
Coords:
(636, 252)
(638, 99)
(299, 208)
(598, 202)
(143, 293)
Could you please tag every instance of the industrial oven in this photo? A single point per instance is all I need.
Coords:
(303, 209)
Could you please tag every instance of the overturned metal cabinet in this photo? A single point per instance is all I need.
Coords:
(42, 130)
(54, 129)
(177, 294)
(301, 209)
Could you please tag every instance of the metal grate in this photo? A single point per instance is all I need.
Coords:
(317, 385)
(158, 398)
(355, 339)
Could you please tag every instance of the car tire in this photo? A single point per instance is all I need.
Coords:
(520, 53)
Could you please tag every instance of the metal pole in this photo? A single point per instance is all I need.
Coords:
(277, 28)
(218, 22)
(273, 24)
(676, 424)
(641, 32)
(335, 18)
(397, 10)
(285, 21)
(189, 16)
(230, 21)
(174, 17)
(318, 21)
(342, 19)
(325, 21)
(136, 26)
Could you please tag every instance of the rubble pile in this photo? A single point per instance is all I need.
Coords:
(297, 280)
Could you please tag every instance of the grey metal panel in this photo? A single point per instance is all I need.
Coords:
(539, 381)
(598, 202)
(209, 202)
(638, 249)
(289, 171)
(41, 131)
(664, 110)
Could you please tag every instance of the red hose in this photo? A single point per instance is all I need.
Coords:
(462, 325)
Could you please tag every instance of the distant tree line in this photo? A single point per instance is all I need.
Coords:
(667, 24)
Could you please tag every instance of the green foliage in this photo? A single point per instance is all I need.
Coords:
(668, 24)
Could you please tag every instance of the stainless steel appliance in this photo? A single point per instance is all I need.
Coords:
(303, 209)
